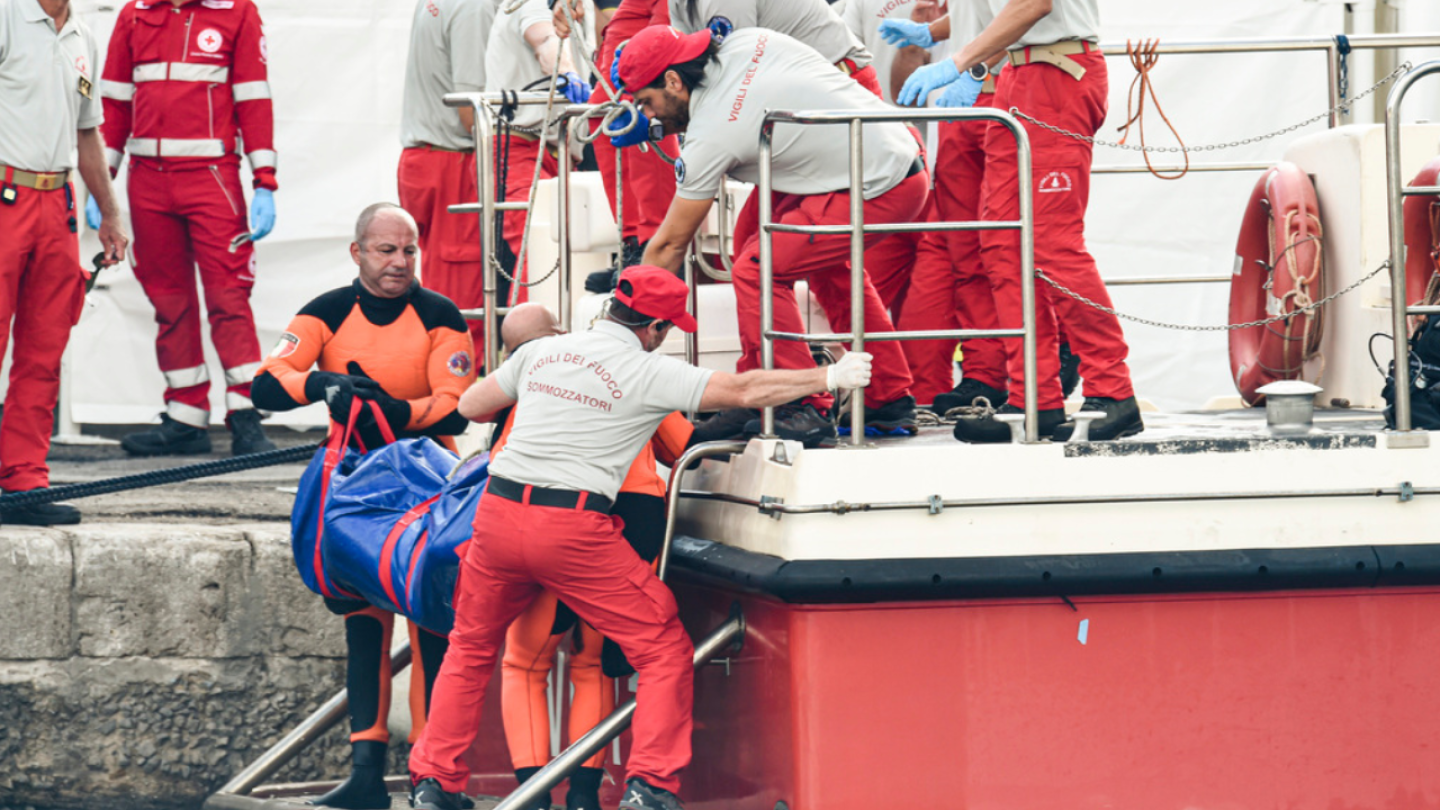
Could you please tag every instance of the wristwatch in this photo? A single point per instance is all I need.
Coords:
(979, 71)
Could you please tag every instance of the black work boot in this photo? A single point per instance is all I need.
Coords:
(725, 425)
(365, 789)
(966, 394)
(799, 422)
(42, 514)
(1069, 370)
(632, 252)
(247, 436)
(522, 775)
(1122, 418)
(170, 438)
(584, 792)
(428, 795)
(989, 430)
(639, 795)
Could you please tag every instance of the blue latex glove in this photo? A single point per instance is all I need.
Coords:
(962, 93)
(638, 134)
(926, 80)
(615, 70)
(904, 32)
(92, 214)
(262, 214)
(575, 88)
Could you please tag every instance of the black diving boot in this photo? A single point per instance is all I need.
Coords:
(365, 789)
(522, 775)
(246, 433)
(584, 792)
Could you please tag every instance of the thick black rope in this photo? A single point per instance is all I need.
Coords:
(157, 477)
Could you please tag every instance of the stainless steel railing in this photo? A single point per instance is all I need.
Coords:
(857, 229)
(1399, 302)
(487, 205)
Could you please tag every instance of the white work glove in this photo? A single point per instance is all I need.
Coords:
(851, 371)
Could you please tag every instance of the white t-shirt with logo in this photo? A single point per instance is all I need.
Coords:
(863, 17)
(812, 22)
(760, 70)
(49, 87)
(587, 403)
(1068, 19)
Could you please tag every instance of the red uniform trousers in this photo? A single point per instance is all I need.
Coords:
(520, 154)
(182, 218)
(582, 558)
(42, 289)
(430, 180)
(1061, 185)
(824, 261)
(949, 286)
(648, 181)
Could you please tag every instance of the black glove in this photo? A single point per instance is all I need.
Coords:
(397, 411)
(338, 391)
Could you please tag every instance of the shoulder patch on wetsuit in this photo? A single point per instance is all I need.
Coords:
(333, 307)
(435, 310)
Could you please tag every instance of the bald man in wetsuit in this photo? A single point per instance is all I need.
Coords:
(384, 339)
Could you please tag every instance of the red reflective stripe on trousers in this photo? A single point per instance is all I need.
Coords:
(823, 261)
(41, 292)
(1061, 172)
(584, 560)
(431, 180)
(183, 219)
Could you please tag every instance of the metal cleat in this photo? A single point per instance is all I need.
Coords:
(1016, 421)
(1082, 425)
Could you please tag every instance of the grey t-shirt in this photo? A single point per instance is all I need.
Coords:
(510, 62)
(49, 87)
(1068, 19)
(587, 403)
(760, 70)
(812, 22)
(447, 55)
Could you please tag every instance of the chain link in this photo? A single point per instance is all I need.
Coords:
(1040, 274)
(1343, 106)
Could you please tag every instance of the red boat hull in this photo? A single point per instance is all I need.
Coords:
(1321, 699)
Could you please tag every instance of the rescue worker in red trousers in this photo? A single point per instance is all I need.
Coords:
(49, 110)
(1056, 75)
(647, 180)
(521, 55)
(386, 339)
(949, 287)
(718, 93)
(437, 166)
(587, 403)
(185, 83)
(533, 638)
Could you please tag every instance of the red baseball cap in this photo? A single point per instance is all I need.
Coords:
(654, 49)
(656, 293)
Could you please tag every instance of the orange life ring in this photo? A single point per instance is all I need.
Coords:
(1277, 271)
(1422, 235)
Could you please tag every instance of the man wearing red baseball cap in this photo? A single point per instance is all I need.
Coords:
(717, 93)
(587, 401)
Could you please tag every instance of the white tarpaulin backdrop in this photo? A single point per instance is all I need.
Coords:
(336, 71)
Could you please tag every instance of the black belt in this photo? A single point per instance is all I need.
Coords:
(915, 168)
(545, 496)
